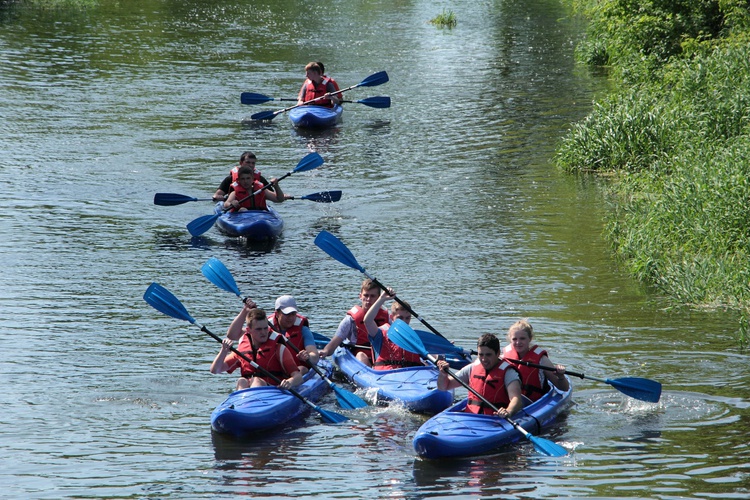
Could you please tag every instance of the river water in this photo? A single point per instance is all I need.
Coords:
(450, 197)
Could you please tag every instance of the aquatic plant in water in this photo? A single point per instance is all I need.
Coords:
(446, 19)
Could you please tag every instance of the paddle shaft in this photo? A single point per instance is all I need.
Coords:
(550, 368)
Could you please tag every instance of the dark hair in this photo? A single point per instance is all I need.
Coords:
(322, 68)
(314, 67)
(490, 341)
(246, 155)
(245, 169)
(254, 314)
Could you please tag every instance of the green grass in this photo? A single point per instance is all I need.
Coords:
(446, 19)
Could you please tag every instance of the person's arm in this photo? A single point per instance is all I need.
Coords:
(234, 331)
(372, 312)
(277, 195)
(219, 364)
(221, 193)
(308, 340)
(343, 332)
(516, 401)
(229, 202)
(445, 381)
(289, 364)
(556, 378)
(301, 94)
(331, 89)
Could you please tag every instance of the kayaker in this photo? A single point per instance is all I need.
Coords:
(317, 86)
(534, 382)
(247, 158)
(385, 354)
(496, 380)
(334, 82)
(352, 327)
(295, 329)
(256, 343)
(242, 198)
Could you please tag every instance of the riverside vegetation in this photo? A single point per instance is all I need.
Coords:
(674, 144)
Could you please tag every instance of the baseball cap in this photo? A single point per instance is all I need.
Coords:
(286, 304)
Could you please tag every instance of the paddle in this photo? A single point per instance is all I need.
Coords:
(373, 102)
(163, 301)
(322, 197)
(206, 222)
(638, 388)
(336, 249)
(219, 275)
(406, 338)
(170, 199)
(371, 81)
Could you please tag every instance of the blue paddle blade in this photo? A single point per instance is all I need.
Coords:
(406, 338)
(264, 115)
(547, 447)
(638, 388)
(330, 416)
(309, 162)
(219, 275)
(437, 345)
(323, 197)
(347, 400)
(202, 224)
(336, 249)
(171, 199)
(252, 98)
(376, 102)
(375, 79)
(163, 301)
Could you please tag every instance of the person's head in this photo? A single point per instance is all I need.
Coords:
(248, 158)
(286, 311)
(246, 176)
(256, 325)
(368, 293)
(322, 68)
(488, 351)
(520, 334)
(400, 312)
(314, 72)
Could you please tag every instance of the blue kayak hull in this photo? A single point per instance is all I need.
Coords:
(256, 225)
(315, 116)
(413, 387)
(255, 411)
(455, 433)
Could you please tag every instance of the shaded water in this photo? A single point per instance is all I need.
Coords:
(449, 196)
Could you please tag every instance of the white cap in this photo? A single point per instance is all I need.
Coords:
(286, 304)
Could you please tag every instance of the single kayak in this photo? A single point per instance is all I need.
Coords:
(455, 433)
(414, 387)
(257, 225)
(315, 116)
(257, 410)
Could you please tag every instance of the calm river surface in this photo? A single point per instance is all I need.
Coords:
(449, 196)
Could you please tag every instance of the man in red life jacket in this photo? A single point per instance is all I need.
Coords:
(534, 382)
(242, 198)
(247, 158)
(496, 380)
(385, 354)
(256, 344)
(295, 329)
(317, 86)
(352, 327)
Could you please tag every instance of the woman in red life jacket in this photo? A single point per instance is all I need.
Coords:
(256, 344)
(317, 86)
(496, 380)
(247, 158)
(352, 327)
(385, 354)
(534, 382)
(242, 197)
(295, 329)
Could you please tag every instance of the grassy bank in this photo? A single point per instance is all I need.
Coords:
(674, 142)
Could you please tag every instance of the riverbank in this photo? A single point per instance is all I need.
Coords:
(674, 141)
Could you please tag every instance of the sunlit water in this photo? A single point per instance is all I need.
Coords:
(449, 196)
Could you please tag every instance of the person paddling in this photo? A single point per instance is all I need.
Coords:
(317, 86)
(496, 380)
(385, 354)
(295, 330)
(534, 382)
(247, 158)
(242, 198)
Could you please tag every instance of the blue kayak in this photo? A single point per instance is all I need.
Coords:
(455, 433)
(256, 225)
(257, 410)
(414, 387)
(315, 116)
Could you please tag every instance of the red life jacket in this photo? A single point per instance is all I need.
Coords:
(256, 202)
(270, 356)
(293, 335)
(392, 356)
(363, 339)
(313, 91)
(533, 383)
(235, 173)
(490, 385)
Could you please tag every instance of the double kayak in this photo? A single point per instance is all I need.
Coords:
(254, 411)
(455, 433)
(311, 116)
(256, 225)
(413, 387)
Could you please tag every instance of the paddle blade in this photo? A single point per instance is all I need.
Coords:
(323, 197)
(163, 301)
(336, 249)
(252, 98)
(376, 102)
(170, 199)
(330, 416)
(406, 338)
(264, 115)
(347, 399)
(219, 275)
(547, 447)
(373, 80)
(309, 162)
(638, 388)
(437, 345)
(202, 224)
